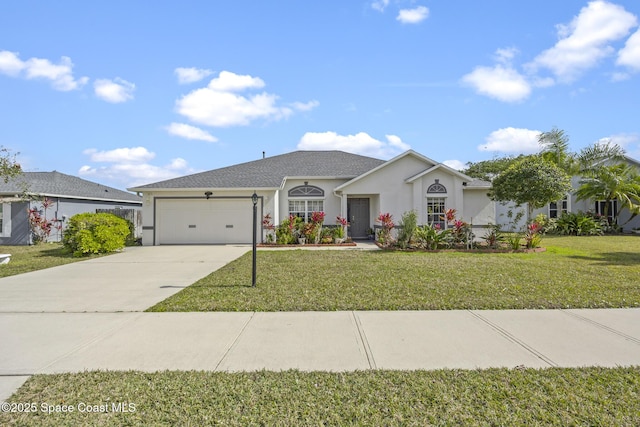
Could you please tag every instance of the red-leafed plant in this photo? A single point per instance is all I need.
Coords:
(386, 225)
(40, 226)
(341, 224)
(533, 235)
(267, 224)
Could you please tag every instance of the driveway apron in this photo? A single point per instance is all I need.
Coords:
(133, 280)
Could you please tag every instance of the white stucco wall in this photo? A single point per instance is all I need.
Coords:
(478, 208)
(395, 195)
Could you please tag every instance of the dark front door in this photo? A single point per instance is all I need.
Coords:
(358, 212)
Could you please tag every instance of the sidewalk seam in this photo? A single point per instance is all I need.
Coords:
(235, 341)
(602, 326)
(92, 341)
(513, 339)
(364, 341)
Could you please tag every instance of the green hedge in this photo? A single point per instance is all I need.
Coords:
(93, 233)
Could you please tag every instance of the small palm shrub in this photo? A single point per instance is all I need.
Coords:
(93, 233)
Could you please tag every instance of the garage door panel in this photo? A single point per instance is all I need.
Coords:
(204, 221)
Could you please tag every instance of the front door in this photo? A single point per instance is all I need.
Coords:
(358, 216)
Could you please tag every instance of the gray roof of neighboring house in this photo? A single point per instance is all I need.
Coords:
(56, 184)
(271, 171)
(478, 183)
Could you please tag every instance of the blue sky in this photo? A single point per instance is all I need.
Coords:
(131, 92)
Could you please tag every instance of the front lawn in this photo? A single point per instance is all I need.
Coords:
(584, 396)
(574, 272)
(36, 257)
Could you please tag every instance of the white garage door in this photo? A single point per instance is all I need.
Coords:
(182, 222)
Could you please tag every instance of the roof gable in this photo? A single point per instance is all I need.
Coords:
(436, 167)
(386, 164)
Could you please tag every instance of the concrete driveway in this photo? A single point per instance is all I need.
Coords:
(133, 280)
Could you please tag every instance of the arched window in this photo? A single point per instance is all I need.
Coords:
(304, 200)
(437, 188)
(306, 190)
(436, 204)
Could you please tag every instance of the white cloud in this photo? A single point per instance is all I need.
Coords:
(499, 82)
(190, 132)
(231, 82)
(129, 167)
(413, 16)
(629, 55)
(624, 140)
(620, 77)
(585, 40)
(135, 154)
(10, 64)
(360, 143)
(455, 164)
(380, 5)
(191, 75)
(506, 55)
(220, 105)
(512, 140)
(114, 91)
(60, 75)
(305, 106)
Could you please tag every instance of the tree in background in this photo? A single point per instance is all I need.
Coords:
(533, 181)
(9, 167)
(555, 149)
(591, 158)
(489, 169)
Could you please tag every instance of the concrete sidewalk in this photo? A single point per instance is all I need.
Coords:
(329, 341)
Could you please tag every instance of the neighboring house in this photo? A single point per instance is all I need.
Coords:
(178, 211)
(571, 204)
(70, 195)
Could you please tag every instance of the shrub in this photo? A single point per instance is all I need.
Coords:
(386, 224)
(533, 235)
(494, 236)
(286, 231)
(577, 224)
(408, 225)
(432, 237)
(92, 233)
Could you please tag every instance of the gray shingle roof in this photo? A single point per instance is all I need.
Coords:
(269, 172)
(479, 184)
(58, 184)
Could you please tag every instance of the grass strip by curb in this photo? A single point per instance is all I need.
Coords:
(584, 396)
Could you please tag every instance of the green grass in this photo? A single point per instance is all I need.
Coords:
(36, 257)
(584, 396)
(574, 272)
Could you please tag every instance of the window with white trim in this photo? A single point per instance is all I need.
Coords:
(611, 212)
(304, 200)
(556, 209)
(304, 208)
(435, 205)
(435, 211)
(5, 219)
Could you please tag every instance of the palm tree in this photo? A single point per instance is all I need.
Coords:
(592, 157)
(555, 149)
(615, 182)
